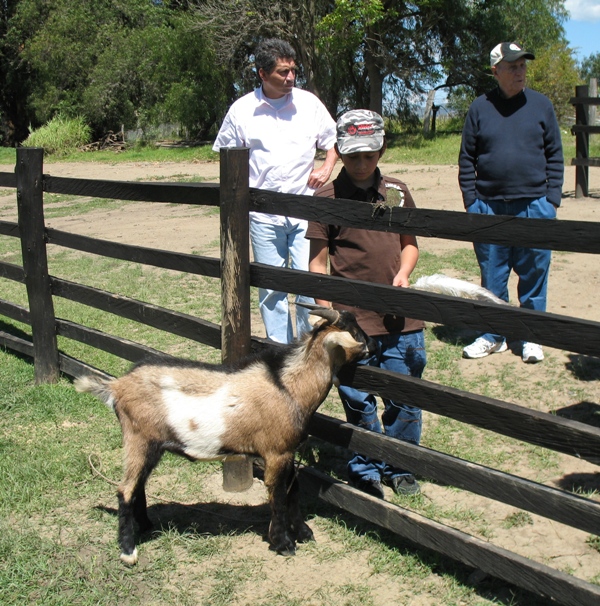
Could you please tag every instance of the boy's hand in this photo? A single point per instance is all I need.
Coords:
(401, 280)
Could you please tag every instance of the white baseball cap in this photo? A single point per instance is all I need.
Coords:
(509, 52)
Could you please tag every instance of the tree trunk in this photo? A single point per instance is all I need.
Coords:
(375, 82)
(428, 112)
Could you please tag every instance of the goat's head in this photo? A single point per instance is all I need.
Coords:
(345, 340)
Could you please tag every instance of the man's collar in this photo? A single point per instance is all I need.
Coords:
(501, 94)
(264, 99)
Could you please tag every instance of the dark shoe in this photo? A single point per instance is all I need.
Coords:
(369, 486)
(405, 485)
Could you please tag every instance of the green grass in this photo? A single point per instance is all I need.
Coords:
(148, 153)
(403, 148)
(8, 155)
(60, 136)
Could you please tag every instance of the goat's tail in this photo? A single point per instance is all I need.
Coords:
(98, 387)
(454, 287)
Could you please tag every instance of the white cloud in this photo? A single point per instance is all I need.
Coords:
(583, 10)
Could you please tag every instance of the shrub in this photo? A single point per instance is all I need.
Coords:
(60, 136)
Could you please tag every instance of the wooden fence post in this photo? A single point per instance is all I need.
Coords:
(593, 92)
(30, 204)
(582, 144)
(235, 284)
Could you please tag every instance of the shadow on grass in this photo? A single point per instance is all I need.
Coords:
(13, 330)
(454, 335)
(212, 518)
(581, 483)
(584, 368)
(584, 412)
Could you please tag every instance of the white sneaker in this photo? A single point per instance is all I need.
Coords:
(481, 347)
(532, 353)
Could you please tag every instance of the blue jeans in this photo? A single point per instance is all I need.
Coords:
(532, 265)
(281, 246)
(404, 354)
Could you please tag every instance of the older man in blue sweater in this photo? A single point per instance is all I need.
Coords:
(511, 163)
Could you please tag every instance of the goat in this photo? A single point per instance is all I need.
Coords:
(208, 412)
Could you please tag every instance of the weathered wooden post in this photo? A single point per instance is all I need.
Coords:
(235, 284)
(593, 92)
(30, 204)
(582, 145)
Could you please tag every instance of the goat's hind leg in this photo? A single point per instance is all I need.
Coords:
(277, 472)
(139, 461)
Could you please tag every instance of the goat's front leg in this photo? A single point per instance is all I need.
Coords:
(277, 471)
(300, 530)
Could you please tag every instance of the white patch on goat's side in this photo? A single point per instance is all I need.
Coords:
(198, 421)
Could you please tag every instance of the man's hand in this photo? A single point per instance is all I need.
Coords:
(320, 176)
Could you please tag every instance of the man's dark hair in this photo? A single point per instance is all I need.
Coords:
(269, 51)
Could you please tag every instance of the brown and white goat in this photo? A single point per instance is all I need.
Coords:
(207, 412)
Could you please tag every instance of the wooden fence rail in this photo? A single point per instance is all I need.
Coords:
(237, 274)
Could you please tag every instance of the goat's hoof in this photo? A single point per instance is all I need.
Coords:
(304, 534)
(287, 547)
(285, 551)
(129, 559)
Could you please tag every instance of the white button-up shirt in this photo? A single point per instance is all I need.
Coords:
(283, 137)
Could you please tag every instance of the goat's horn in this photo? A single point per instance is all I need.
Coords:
(324, 312)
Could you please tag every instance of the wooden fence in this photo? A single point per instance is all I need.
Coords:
(582, 129)
(238, 274)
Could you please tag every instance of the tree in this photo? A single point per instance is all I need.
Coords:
(401, 49)
(133, 62)
(14, 73)
(536, 24)
(236, 26)
(590, 67)
(554, 73)
(396, 46)
(138, 62)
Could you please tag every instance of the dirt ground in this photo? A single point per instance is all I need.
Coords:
(574, 286)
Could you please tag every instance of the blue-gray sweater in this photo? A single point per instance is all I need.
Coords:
(511, 148)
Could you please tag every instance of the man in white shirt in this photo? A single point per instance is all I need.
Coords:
(283, 126)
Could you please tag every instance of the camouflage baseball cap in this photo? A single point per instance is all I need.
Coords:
(360, 130)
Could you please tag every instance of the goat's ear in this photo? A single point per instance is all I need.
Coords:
(340, 339)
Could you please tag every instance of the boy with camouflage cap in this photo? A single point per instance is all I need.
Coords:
(380, 257)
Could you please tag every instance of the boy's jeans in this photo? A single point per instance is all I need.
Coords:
(402, 353)
(281, 246)
(532, 265)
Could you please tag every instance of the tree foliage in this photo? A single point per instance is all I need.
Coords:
(590, 67)
(143, 62)
(554, 73)
(535, 24)
(133, 62)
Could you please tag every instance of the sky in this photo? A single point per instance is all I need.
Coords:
(583, 28)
